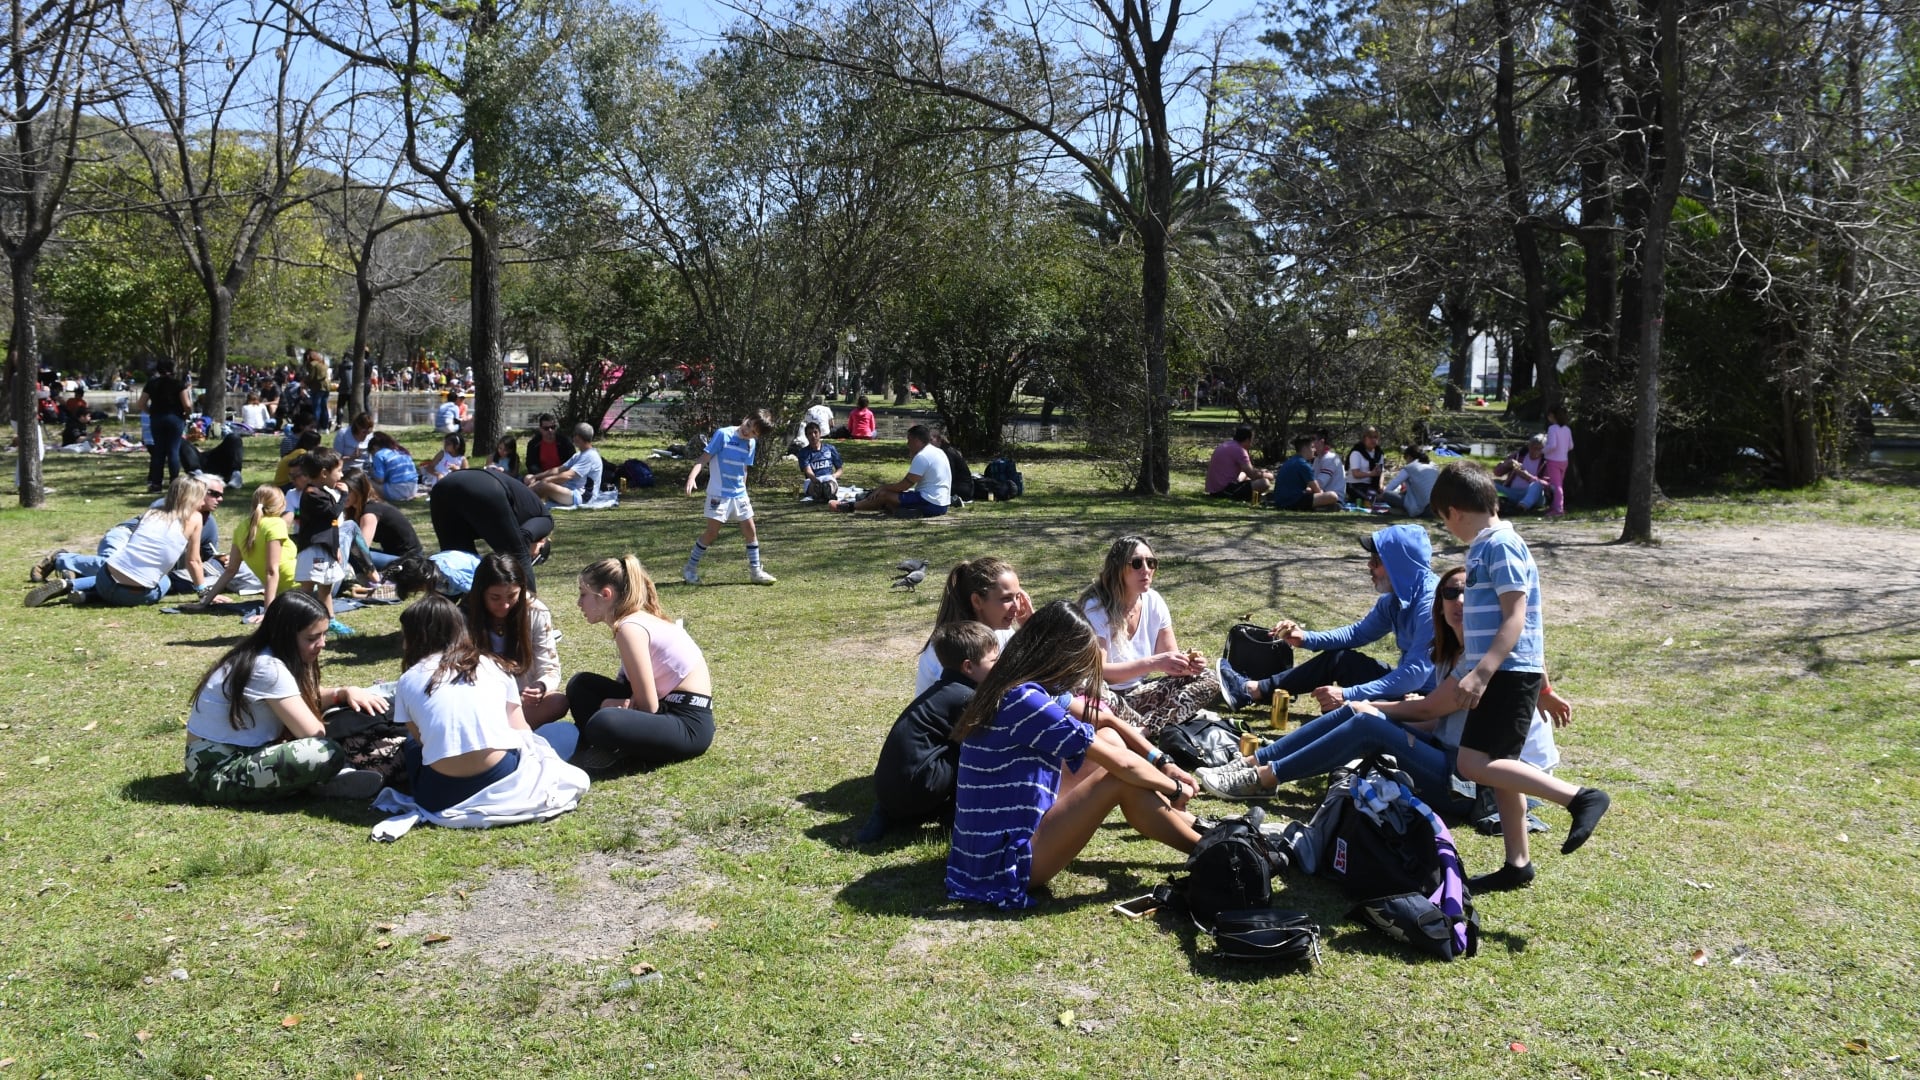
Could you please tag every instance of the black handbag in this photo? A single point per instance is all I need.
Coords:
(1266, 933)
(1254, 653)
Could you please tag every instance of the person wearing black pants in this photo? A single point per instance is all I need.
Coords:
(164, 399)
(470, 505)
(223, 461)
(659, 709)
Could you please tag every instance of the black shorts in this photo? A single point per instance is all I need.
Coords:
(1238, 490)
(1303, 504)
(1498, 725)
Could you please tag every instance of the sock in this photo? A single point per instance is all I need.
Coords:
(1587, 806)
(1505, 879)
(753, 556)
(693, 560)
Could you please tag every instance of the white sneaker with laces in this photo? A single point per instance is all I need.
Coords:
(759, 576)
(1235, 781)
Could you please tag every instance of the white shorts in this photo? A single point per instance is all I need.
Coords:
(317, 566)
(722, 510)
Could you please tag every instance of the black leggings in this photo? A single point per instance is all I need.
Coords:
(1335, 667)
(222, 460)
(679, 732)
(470, 505)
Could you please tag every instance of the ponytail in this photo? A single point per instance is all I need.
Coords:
(633, 590)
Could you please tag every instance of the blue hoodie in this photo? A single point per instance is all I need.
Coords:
(1406, 609)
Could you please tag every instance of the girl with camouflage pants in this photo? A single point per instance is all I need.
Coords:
(255, 732)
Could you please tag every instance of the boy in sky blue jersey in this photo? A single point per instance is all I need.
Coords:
(1507, 651)
(730, 451)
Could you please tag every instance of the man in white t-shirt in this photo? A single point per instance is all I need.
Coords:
(923, 492)
(1328, 472)
(577, 479)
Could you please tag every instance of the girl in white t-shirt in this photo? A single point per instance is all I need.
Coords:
(461, 710)
(255, 731)
(1136, 640)
(510, 624)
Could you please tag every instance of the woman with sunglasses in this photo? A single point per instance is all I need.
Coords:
(1136, 640)
(1423, 733)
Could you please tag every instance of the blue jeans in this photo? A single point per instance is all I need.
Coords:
(1335, 667)
(169, 430)
(1525, 496)
(1332, 739)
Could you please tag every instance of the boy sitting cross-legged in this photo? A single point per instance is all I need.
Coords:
(919, 762)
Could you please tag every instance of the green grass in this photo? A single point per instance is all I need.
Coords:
(1737, 757)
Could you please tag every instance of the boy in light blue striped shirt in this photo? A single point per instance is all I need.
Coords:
(1507, 651)
(730, 451)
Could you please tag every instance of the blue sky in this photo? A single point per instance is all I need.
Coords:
(695, 22)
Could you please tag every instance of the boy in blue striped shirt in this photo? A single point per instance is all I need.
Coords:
(730, 451)
(1507, 651)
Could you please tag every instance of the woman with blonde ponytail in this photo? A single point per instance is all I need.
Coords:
(264, 547)
(984, 590)
(659, 707)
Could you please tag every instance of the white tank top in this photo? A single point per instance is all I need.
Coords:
(156, 545)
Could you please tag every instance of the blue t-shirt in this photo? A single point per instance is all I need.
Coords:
(1009, 772)
(1290, 481)
(392, 467)
(586, 466)
(731, 456)
(823, 461)
(1498, 562)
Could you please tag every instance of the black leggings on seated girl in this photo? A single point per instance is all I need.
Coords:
(436, 791)
(682, 729)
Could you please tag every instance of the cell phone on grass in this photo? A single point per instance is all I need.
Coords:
(1137, 907)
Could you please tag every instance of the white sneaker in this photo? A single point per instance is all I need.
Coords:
(759, 576)
(691, 577)
(1235, 781)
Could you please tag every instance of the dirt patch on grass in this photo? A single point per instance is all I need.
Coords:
(933, 937)
(602, 907)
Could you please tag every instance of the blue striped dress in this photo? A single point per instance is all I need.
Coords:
(1009, 774)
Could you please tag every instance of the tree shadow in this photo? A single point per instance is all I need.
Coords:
(170, 789)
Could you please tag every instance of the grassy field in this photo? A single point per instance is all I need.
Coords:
(1744, 691)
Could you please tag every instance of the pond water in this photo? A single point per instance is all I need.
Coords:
(1904, 457)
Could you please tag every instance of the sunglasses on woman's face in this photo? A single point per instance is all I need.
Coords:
(1452, 592)
(1147, 562)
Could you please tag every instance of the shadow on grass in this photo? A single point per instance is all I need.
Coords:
(171, 789)
(850, 802)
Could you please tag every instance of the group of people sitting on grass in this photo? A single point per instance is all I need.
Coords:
(490, 735)
(1316, 477)
(1030, 726)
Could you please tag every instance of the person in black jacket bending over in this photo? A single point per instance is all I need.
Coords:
(470, 505)
(920, 762)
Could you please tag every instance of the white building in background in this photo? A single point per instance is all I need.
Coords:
(1483, 365)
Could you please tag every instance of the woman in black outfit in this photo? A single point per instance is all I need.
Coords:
(164, 400)
(469, 505)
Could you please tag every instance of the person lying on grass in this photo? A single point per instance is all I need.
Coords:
(1035, 782)
(255, 732)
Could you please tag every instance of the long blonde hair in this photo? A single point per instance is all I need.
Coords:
(632, 589)
(185, 498)
(1113, 575)
(267, 499)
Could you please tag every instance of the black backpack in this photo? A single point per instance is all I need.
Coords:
(1228, 893)
(1202, 742)
(1004, 479)
(1254, 653)
(1390, 851)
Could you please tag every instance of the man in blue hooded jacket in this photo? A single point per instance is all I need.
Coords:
(1399, 560)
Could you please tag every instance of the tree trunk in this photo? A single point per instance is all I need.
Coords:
(483, 339)
(1536, 351)
(213, 375)
(1156, 457)
(1458, 318)
(1665, 161)
(1597, 429)
(25, 370)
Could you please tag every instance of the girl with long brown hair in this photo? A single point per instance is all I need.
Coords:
(983, 590)
(1035, 783)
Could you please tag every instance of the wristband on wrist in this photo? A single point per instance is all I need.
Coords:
(1155, 757)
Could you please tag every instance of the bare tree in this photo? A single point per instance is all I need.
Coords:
(53, 77)
(219, 183)
(1086, 76)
